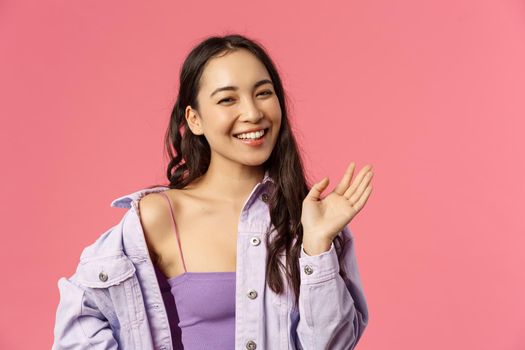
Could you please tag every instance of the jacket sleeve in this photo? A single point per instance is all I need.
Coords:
(79, 323)
(333, 311)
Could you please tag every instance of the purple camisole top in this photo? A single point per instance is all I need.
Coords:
(205, 304)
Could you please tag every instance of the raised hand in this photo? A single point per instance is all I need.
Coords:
(323, 218)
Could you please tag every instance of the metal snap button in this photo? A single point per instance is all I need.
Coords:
(103, 276)
(255, 241)
(251, 345)
(308, 270)
(252, 294)
(265, 197)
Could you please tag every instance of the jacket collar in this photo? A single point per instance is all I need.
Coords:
(126, 200)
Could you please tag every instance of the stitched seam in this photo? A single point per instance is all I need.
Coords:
(320, 279)
(118, 253)
(79, 323)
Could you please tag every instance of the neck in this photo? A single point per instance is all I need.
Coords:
(232, 184)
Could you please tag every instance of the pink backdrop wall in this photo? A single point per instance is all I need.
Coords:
(429, 92)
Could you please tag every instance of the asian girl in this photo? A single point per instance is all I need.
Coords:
(255, 257)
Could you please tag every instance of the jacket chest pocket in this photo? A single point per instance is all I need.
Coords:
(113, 282)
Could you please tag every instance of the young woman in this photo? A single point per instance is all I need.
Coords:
(237, 252)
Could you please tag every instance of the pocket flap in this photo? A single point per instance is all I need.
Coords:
(103, 272)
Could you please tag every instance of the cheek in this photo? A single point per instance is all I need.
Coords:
(277, 116)
(274, 111)
(220, 122)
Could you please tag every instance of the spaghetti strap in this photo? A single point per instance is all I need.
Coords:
(175, 228)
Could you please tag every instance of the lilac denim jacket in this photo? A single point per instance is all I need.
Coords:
(116, 299)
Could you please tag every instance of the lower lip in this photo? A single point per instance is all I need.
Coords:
(256, 142)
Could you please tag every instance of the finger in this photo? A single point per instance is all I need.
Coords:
(362, 200)
(362, 187)
(350, 191)
(317, 189)
(345, 181)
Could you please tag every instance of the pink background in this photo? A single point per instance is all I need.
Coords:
(431, 93)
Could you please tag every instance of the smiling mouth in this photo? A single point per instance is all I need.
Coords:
(265, 131)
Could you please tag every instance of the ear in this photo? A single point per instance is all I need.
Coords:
(194, 121)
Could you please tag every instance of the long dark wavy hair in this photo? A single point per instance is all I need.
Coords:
(189, 158)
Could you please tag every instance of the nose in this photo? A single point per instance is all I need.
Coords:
(252, 112)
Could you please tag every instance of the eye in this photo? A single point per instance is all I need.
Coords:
(225, 99)
(267, 92)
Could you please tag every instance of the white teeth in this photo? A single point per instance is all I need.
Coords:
(251, 135)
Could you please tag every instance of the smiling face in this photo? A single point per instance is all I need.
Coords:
(236, 95)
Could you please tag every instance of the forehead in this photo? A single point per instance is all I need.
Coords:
(240, 68)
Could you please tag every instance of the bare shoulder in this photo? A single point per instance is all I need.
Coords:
(155, 219)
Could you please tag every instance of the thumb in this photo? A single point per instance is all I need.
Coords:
(318, 188)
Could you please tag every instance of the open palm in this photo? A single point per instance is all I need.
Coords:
(326, 217)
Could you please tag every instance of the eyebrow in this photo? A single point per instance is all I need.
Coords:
(234, 88)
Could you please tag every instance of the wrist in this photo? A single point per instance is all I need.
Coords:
(316, 246)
